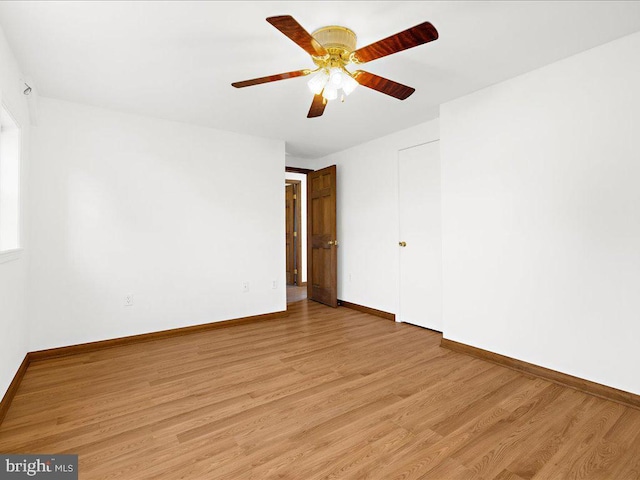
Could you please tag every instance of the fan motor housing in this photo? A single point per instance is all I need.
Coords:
(336, 40)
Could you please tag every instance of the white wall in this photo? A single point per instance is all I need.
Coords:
(302, 178)
(541, 216)
(13, 268)
(367, 184)
(10, 147)
(291, 161)
(177, 215)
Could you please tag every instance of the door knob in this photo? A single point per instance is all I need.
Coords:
(402, 244)
(333, 242)
(330, 242)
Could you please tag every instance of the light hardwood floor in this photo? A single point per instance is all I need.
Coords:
(323, 393)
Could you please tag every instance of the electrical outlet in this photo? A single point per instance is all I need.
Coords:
(245, 287)
(128, 300)
(274, 284)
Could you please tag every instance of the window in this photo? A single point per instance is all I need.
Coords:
(9, 184)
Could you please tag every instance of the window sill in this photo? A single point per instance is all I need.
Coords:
(10, 255)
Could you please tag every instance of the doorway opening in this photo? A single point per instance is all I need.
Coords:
(317, 243)
(293, 231)
(296, 233)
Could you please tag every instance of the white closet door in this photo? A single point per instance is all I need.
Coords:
(421, 230)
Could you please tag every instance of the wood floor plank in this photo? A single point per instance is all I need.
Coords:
(431, 460)
(563, 427)
(319, 394)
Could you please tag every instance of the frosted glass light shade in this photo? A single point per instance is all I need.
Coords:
(328, 82)
(330, 92)
(336, 77)
(349, 84)
(317, 82)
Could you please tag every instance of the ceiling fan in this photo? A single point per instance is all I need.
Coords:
(332, 49)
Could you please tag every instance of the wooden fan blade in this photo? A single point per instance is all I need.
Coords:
(412, 37)
(383, 85)
(292, 29)
(270, 78)
(317, 106)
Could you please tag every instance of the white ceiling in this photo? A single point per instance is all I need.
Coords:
(176, 60)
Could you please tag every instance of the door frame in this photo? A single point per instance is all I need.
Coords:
(297, 251)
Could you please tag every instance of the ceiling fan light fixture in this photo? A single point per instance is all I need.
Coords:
(317, 82)
(332, 49)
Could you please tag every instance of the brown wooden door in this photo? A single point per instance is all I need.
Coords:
(289, 229)
(322, 244)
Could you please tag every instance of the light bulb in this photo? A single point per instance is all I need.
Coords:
(349, 84)
(336, 77)
(330, 92)
(318, 81)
